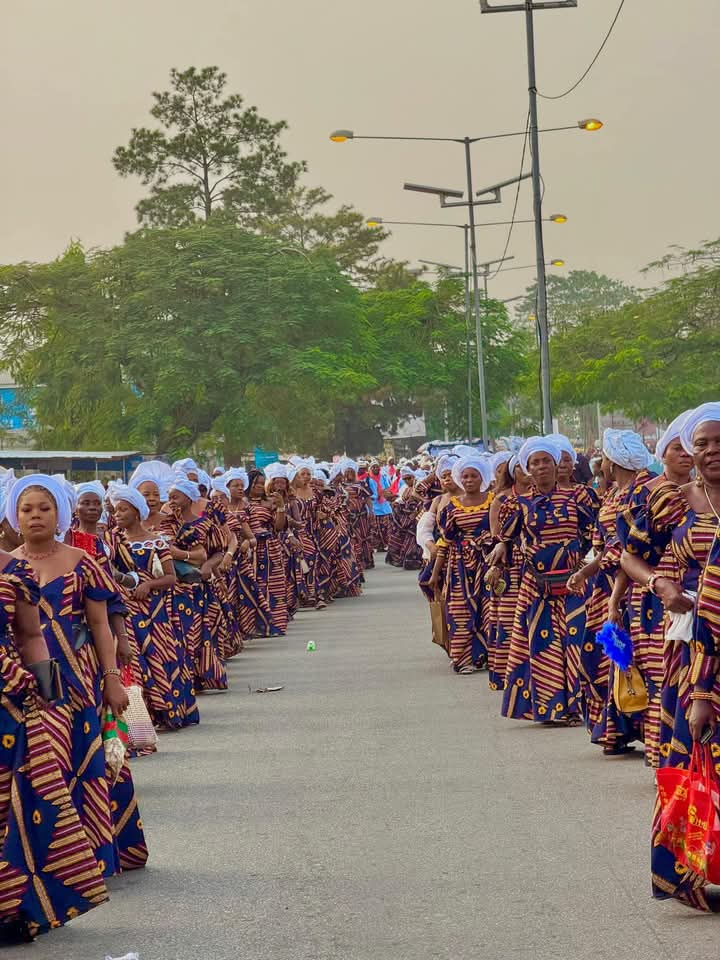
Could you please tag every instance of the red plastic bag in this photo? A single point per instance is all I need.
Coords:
(690, 818)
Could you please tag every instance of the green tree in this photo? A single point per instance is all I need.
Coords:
(177, 336)
(53, 339)
(574, 297)
(209, 153)
(652, 358)
(303, 220)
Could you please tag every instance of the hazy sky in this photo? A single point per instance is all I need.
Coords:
(76, 76)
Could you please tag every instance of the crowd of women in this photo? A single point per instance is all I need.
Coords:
(155, 584)
(530, 568)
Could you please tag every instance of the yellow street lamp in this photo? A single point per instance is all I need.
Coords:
(374, 222)
(558, 218)
(557, 263)
(591, 124)
(340, 136)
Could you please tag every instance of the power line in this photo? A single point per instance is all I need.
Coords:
(594, 60)
(517, 197)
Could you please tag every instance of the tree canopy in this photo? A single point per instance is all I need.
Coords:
(249, 309)
(182, 336)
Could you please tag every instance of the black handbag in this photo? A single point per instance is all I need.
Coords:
(49, 679)
(551, 583)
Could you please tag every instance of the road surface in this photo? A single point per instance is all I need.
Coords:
(378, 808)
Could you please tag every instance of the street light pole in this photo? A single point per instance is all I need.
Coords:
(542, 316)
(476, 295)
(529, 6)
(380, 221)
(468, 358)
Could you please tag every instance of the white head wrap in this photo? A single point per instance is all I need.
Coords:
(672, 432)
(219, 485)
(275, 470)
(446, 462)
(204, 479)
(705, 413)
(93, 487)
(464, 450)
(319, 474)
(560, 440)
(54, 487)
(350, 465)
(476, 462)
(132, 496)
(188, 487)
(421, 474)
(626, 449)
(7, 482)
(154, 471)
(301, 464)
(68, 488)
(236, 473)
(537, 445)
(218, 471)
(336, 470)
(186, 465)
(502, 456)
(406, 472)
(512, 465)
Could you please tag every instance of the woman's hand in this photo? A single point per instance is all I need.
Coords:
(124, 650)
(576, 583)
(206, 570)
(615, 614)
(492, 577)
(498, 555)
(115, 695)
(142, 590)
(672, 596)
(225, 563)
(702, 715)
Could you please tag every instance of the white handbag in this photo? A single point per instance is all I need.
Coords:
(141, 732)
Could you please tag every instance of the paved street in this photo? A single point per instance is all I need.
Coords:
(378, 808)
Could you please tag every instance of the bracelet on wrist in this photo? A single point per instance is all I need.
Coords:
(111, 672)
(652, 580)
(701, 695)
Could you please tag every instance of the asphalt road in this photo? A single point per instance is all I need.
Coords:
(378, 808)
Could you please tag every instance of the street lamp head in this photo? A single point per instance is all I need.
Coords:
(557, 263)
(532, 317)
(558, 218)
(340, 136)
(591, 124)
(374, 222)
(436, 191)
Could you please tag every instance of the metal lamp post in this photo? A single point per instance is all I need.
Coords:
(344, 135)
(528, 7)
(450, 198)
(380, 221)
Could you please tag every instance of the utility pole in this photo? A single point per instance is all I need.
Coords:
(468, 357)
(476, 295)
(528, 7)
